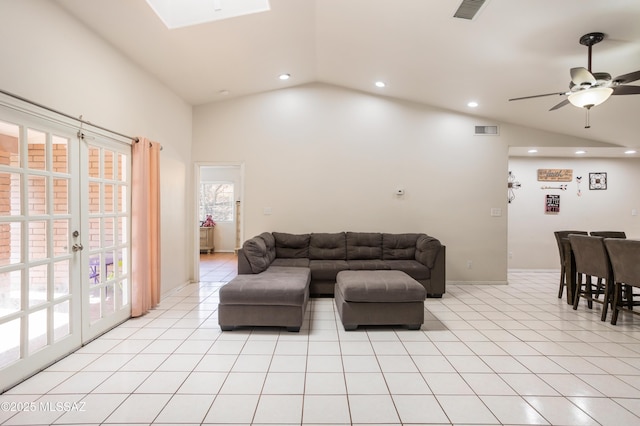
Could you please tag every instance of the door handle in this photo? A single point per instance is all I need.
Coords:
(77, 247)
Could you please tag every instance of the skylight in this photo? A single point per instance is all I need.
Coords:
(183, 13)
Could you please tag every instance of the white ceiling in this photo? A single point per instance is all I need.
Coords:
(511, 49)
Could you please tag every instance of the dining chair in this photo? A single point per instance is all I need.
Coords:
(592, 260)
(625, 261)
(561, 236)
(609, 234)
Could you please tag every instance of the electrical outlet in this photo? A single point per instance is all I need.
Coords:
(469, 263)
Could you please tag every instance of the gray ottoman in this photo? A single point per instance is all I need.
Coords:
(379, 298)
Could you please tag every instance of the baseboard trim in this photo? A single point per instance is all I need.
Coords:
(176, 289)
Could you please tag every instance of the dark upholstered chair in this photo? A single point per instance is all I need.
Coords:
(625, 261)
(592, 260)
(560, 236)
(609, 234)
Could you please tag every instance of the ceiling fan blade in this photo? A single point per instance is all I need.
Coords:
(628, 78)
(626, 90)
(538, 96)
(560, 105)
(581, 75)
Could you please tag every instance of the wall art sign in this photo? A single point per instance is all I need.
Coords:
(598, 180)
(555, 175)
(552, 204)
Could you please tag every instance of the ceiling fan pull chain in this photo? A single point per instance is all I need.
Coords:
(586, 124)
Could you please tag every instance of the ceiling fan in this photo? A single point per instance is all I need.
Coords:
(588, 89)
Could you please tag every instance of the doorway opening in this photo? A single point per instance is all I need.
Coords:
(219, 213)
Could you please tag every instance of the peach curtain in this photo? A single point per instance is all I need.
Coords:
(145, 226)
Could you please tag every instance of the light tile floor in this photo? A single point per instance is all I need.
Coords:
(512, 354)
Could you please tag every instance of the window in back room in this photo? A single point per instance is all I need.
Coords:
(217, 200)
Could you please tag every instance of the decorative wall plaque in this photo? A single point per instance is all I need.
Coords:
(552, 204)
(555, 175)
(598, 180)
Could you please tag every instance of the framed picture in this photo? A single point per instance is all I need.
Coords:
(552, 204)
(598, 180)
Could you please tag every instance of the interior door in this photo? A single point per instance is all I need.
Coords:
(39, 271)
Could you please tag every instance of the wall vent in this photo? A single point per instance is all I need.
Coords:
(487, 130)
(468, 9)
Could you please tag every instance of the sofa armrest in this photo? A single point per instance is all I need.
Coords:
(437, 285)
(243, 263)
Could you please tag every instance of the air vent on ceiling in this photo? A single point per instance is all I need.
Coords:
(468, 9)
(487, 130)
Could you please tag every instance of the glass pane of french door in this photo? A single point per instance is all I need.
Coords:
(39, 208)
(106, 274)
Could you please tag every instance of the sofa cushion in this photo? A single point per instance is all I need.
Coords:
(288, 288)
(326, 270)
(291, 245)
(413, 268)
(324, 246)
(367, 265)
(364, 245)
(379, 287)
(290, 262)
(427, 249)
(255, 249)
(270, 243)
(399, 246)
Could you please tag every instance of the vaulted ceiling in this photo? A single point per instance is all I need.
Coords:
(423, 54)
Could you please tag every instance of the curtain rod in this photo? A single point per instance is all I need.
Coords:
(134, 139)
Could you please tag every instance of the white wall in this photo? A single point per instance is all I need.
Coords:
(326, 159)
(51, 58)
(531, 241)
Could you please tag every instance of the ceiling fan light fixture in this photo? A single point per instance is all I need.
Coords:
(590, 97)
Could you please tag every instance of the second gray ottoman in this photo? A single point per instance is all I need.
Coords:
(379, 298)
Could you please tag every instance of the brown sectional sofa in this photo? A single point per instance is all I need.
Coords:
(420, 256)
(291, 267)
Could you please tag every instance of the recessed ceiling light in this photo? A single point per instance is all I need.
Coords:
(284, 76)
(532, 151)
(381, 84)
(472, 104)
(631, 151)
(581, 151)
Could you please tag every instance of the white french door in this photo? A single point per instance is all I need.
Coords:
(106, 176)
(64, 241)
